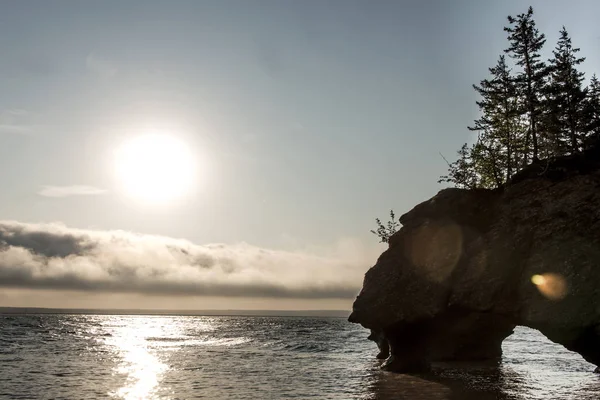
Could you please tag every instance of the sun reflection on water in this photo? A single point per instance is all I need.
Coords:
(137, 361)
(177, 357)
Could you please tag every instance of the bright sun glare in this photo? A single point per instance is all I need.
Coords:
(155, 168)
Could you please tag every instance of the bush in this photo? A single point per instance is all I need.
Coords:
(384, 232)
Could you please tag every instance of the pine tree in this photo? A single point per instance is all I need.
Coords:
(543, 110)
(566, 98)
(487, 163)
(461, 172)
(498, 126)
(592, 111)
(526, 43)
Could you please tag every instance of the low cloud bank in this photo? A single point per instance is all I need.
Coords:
(67, 191)
(53, 256)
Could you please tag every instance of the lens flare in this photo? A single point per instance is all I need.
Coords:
(538, 280)
(552, 286)
(435, 249)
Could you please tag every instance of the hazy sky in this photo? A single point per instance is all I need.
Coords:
(307, 120)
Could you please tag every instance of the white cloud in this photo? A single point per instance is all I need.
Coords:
(15, 121)
(53, 256)
(67, 191)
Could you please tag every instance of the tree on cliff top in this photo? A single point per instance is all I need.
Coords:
(526, 42)
(462, 171)
(539, 111)
(385, 232)
(566, 97)
(592, 110)
(499, 127)
(498, 151)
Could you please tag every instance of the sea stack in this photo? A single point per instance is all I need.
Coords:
(468, 266)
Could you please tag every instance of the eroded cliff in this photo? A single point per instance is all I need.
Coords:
(469, 265)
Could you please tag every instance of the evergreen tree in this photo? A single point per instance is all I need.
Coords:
(566, 98)
(543, 110)
(461, 172)
(526, 43)
(592, 110)
(487, 163)
(498, 125)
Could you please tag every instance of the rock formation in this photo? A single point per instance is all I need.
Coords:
(469, 265)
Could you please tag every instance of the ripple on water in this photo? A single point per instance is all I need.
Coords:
(133, 357)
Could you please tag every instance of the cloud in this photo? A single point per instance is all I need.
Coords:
(53, 256)
(15, 121)
(67, 191)
(100, 65)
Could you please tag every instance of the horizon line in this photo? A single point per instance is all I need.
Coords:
(10, 310)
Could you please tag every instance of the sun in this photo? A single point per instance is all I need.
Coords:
(155, 168)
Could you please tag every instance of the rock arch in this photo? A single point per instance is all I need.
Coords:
(469, 265)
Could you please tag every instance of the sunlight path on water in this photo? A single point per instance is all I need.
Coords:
(142, 368)
(137, 343)
(248, 358)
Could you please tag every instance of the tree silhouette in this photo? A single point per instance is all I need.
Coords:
(384, 232)
(566, 98)
(462, 171)
(592, 110)
(539, 110)
(526, 42)
(499, 127)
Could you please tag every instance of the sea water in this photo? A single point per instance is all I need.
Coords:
(183, 357)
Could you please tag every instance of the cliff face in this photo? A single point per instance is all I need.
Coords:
(469, 265)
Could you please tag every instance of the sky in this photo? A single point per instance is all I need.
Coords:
(305, 121)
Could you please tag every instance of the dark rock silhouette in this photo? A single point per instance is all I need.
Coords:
(469, 265)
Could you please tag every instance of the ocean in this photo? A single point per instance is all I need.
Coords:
(229, 357)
